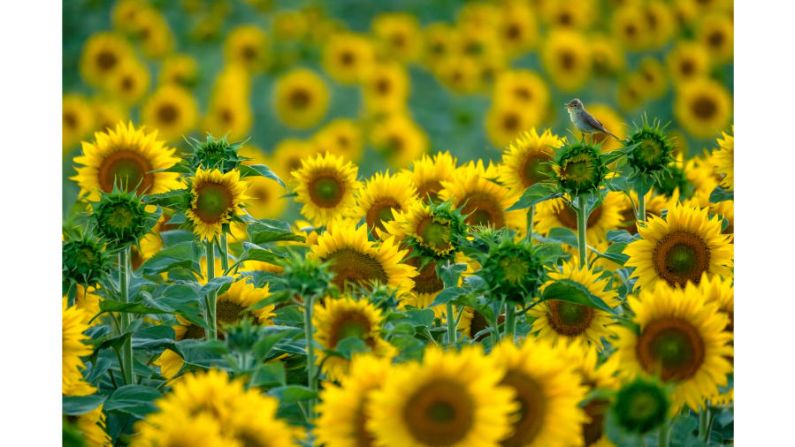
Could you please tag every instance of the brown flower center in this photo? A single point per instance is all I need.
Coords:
(129, 169)
(569, 319)
(482, 209)
(430, 189)
(704, 107)
(300, 98)
(427, 281)
(353, 266)
(593, 430)
(381, 211)
(439, 413)
(167, 113)
(351, 323)
(107, 60)
(567, 60)
(533, 169)
(213, 202)
(672, 348)
(681, 256)
(326, 190)
(532, 408)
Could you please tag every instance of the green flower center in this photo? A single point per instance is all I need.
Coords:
(213, 202)
(120, 217)
(435, 235)
(641, 406)
(579, 169)
(569, 319)
(127, 169)
(673, 348)
(326, 191)
(439, 413)
(534, 169)
(514, 268)
(681, 256)
(351, 324)
(380, 212)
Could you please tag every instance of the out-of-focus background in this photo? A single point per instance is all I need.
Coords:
(385, 82)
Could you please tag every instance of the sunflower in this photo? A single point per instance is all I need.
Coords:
(384, 195)
(659, 23)
(180, 428)
(525, 87)
(180, 69)
(228, 115)
(291, 25)
(569, 14)
(655, 204)
(631, 27)
(432, 228)
(517, 29)
(558, 320)
(172, 110)
(289, 154)
(123, 14)
(483, 202)
(680, 248)
(547, 392)
(398, 35)
(326, 186)
(460, 74)
(264, 198)
(720, 291)
(700, 173)
(300, 98)
(703, 107)
(247, 45)
(441, 41)
(723, 159)
(725, 210)
(103, 54)
(386, 88)
(716, 33)
(630, 92)
(129, 82)
(347, 57)
(75, 323)
(400, 139)
(688, 61)
(150, 28)
(428, 173)
(215, 199)
(343, 419)
(343, 137)
(128, 157)
(337, 319)
(78, 120)
(652, 72)
(355, 259)
(107, 114)
(605, 217)
(92, 425)
(682, 338)
(523, 163)
(506, 120)
(566, 57)
(452, 399)
(607, 56)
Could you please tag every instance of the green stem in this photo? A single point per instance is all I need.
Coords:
(451, 332)
(530, 213)
(510, 319)
(582, 224)
(310, 354)
(125, 317)
(641, 208)
(224, 253)
(212, 299)
(704, 419)
(663, 439)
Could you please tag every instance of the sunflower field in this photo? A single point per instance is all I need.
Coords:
(398, 223)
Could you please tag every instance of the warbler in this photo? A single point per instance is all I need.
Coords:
(584, 121)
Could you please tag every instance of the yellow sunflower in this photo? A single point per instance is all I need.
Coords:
(652, 72)
(607, 56)
(566, 57)
(517, 28)
(569, 14)
(688, 61)
(655, 204)
(386, 88)
(605, 217)
(180, 69)
(107, 113)
(347, 57)
(523, 86)
(300, 98)
(228, 115)
(557, 320)
(716, 33)
(78, 120)
(720, 291)
(523, 162)
(680, 248)
(725, 209)
(418, 220)
(682, 338)
(180, 428)
(356, 259)
(343, 137)
(126, 156)
(507, 119)
(400, 139)
(384, 195)
(74, 347)
(703, 107)
(172, 110)
(343, 419)
(103, 54)
(659, 23)
(337, 319)
(428, 173)
(215, 198)
(460, 74)
(264, 198)
(93, 425)
(441, 41)
(723, 159)
(482, 201)
(451, 399)
(547, 392)
(398, 36)
(631, 27)
(630, 92)
(247, 45)
(128, 83)
(326, 186)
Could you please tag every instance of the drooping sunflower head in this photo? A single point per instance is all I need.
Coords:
(579, 168)
(512, 270)
(428, 173)
(452, 398)
(353, 258)
(215, 199)
(435, 230)
(653, 150)
(121, 219)
(130, 158)
(526, 162)
(383, 196)
(547, 391)
(301, 98)
(480, 200)
(85, 261)
(641, 406)
(723, 159)
(680, 248)
(326, 186)
(681, 338)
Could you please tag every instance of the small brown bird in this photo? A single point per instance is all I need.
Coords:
(584, 121)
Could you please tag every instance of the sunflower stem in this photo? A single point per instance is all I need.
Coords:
(582, 223)
(663, 437)
(704, 425)
(212, 298)
(451, 335)
(510, 320)
(641, 217)
(530, 215)
(224, 253)
(310, 354)
(126, 320)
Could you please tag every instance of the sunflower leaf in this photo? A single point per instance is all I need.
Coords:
(268, 230)
(447, 295)
(135, 400)
(175, 256)
(261, 171)
(292, 393)
(574, 292)
(719, 195)
(269, 374)
(535, 194)
(77, 405)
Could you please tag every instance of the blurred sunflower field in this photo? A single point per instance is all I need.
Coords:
(350, 223)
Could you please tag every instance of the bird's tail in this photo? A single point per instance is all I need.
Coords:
(614, 136)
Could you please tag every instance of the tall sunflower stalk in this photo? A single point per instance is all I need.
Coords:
(126, 318)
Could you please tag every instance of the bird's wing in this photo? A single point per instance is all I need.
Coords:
(593, 121)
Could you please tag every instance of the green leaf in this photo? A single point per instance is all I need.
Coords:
(621, 236)
(171, 199)
(450, 272)
(292, 393)
(260, 170)
(264, 346)
(269, 230)
(257, 253)
(107, 305)
(535, 194)
(563, 235)
(219, 285)
(351, 345)
(177, 255)
(135, 400)
(447, 295)
(77, 405)
(574, 292)
(719, 195)
(420, 317)
(269, 374)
